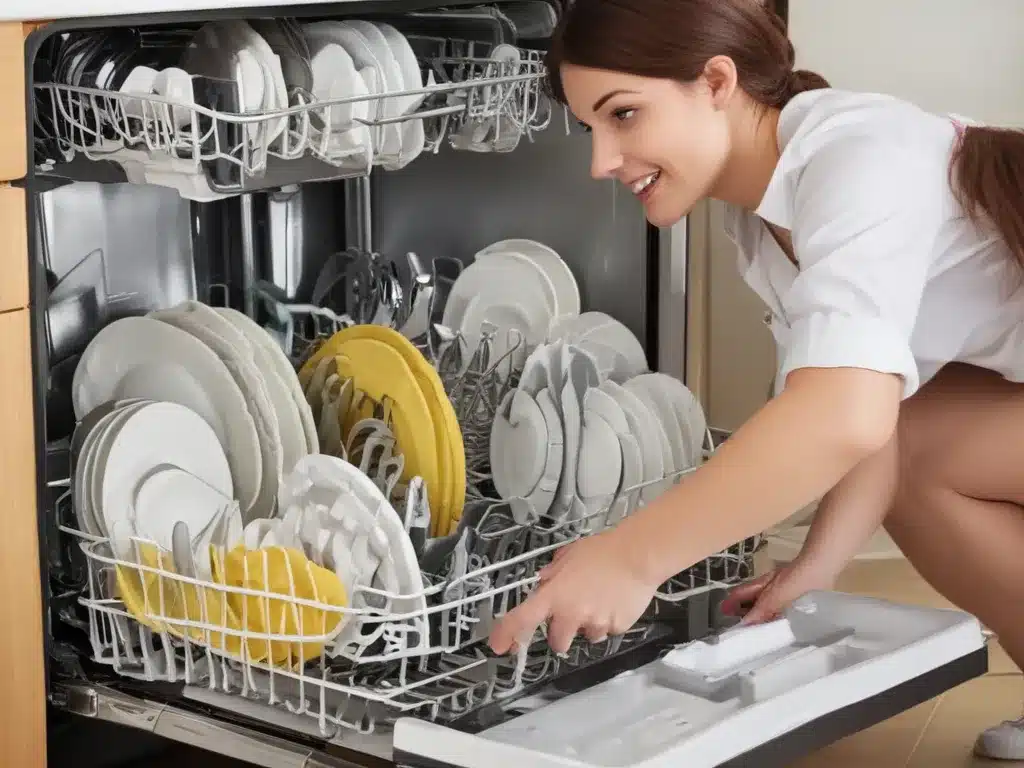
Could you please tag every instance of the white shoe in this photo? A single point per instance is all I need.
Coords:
(1002, 742)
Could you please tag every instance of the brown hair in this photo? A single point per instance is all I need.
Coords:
(987, 178)
(674, 39)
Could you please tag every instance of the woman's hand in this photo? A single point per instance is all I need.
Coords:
(775, 591)
(597, 586)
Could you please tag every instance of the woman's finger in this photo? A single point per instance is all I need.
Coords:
(733, 603)
(521, 623)
(562, 630)
(765, 609)
(596, 632)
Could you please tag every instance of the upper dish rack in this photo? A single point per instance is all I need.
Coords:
(211, 137)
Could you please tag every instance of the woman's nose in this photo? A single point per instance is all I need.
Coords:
(606, 158)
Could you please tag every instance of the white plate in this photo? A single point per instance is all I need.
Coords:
(400, 569)
(298, 430)
(519, 443)
(607, 407)
(335, 77)
(519, 323)
(97, 462)
(506, 291)
(664, 423)
(157, 434)
(87, 507)
(413, 136)
(275, 91)
(172, 495)
(143, 357)
(394, 82)
(387, 140)
(687, 413)
(566, 287)
(235, 352)
(543, 495)
(541, 281)
(599, 468)
(644, 427)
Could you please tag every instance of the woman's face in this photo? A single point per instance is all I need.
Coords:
(667, 141)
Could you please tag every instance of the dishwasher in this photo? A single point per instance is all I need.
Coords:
(309, 202)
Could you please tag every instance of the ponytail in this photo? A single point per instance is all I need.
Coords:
(801, 80)
(987, 179)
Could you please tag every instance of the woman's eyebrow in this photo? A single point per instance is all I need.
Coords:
(604, 99)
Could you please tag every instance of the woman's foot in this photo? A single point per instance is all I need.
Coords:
(1002, 742)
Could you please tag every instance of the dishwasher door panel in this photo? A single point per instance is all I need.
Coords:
(761, 695)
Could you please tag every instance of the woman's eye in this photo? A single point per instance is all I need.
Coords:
(624, 114)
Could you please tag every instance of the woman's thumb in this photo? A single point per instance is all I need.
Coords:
(764, 608)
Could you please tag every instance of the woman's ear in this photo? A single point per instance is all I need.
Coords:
(723, 80)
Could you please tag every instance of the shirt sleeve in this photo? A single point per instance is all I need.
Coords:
(866, 218)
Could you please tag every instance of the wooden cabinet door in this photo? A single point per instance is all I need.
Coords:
(23, 703)
(13, 128)
(14, 256)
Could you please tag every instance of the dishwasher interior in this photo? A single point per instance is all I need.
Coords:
(230, 195)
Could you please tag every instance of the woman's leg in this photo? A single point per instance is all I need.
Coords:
(959, 514)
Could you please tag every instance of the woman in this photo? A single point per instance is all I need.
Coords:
(888, 243)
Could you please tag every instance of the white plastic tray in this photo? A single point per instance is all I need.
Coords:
(835, 664)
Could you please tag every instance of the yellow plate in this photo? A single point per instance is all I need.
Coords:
(288, 572)
(451, 453)
(380, 372)
(147, 595)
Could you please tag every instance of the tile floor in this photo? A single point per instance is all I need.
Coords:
(937, 734)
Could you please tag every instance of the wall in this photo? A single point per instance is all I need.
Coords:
(960, 56)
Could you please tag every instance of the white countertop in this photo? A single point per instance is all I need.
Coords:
(29, 10)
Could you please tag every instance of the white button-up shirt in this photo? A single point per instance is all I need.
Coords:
(892, 276)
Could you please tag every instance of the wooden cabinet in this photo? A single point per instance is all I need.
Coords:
(13, 125)
(23, 704)
(13, 249)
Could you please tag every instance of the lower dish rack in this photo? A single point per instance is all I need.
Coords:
(429, 663)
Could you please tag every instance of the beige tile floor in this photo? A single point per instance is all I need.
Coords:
(939, 733)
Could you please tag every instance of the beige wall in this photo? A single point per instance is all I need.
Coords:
(959, 56)
(741, 359)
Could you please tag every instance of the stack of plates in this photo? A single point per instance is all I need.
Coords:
(367, 59)
(515, 285)
(378, 374)
(588, 435)
(341, 521)
(140, 467)
(225, 368)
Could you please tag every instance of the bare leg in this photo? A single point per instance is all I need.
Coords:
(959, 515)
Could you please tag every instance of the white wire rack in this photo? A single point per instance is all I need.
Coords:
(426, 660)
(361, 662)
(479, 104)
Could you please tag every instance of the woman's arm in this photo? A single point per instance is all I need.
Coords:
(793, 451)
(798, 447)
(852, 511)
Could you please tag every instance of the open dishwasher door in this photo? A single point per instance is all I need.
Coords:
(761, 695)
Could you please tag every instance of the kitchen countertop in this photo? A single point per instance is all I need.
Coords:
(27, 10)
